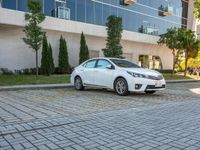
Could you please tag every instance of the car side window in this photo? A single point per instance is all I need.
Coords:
(90, 64)
(103, 64)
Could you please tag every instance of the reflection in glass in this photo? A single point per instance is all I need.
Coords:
(151, 62)
(160, 14)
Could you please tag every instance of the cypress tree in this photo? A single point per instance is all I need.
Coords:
(63, 63)
(84, 52)
(52, 66)
(114, 31)
(45, 61)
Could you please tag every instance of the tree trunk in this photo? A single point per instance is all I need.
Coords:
(186, 63)
(36, 60)
(174, 57)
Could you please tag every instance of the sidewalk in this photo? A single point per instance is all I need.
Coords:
(69, 85)
(33, 87)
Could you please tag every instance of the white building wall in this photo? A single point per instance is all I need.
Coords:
(14, 54)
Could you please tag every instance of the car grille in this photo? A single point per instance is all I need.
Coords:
(160, 77)
(153, 87)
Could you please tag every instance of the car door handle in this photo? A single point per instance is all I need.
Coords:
(82, 69)
(96, 71)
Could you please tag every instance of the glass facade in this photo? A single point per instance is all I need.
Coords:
(145, 16)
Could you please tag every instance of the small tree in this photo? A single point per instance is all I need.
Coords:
(189, 43)
(52, 66)
(170, 40)
(114, 31)
(63, 63)
(84, 52)
(45, 62)
(33, 32)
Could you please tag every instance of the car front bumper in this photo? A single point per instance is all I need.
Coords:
(142, 84)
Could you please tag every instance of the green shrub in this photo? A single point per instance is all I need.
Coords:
(63, 61)
(52, 66)
(114, 34)
(165, 71)
(6, 71)
(46, 61)
(84, 52)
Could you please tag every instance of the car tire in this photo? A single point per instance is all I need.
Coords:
(150, 92)
(78, 84)
(121, 87)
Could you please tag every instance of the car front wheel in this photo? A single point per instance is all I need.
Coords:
(121, 87)
(78, 84)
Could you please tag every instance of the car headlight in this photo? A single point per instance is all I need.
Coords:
(137, 75)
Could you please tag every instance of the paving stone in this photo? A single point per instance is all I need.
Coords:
(94, 119)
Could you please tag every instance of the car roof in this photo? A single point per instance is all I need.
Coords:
(108, 58)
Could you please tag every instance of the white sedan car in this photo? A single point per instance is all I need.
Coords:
(118, 74)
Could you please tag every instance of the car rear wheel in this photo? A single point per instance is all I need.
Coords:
(150, 92)
(78, 84)
(121, 87)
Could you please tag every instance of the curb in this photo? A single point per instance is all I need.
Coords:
(35, 87)
(60, 86)
(183, 81)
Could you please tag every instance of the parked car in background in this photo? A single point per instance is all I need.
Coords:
(120, 75)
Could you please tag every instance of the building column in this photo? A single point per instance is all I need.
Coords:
(191, 23)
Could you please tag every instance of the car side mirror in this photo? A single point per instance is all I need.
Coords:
(109, 67)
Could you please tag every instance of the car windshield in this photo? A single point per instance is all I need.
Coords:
(124, 63)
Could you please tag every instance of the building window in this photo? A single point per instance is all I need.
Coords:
(81, 10)
(10, 4)
(61, 11)
(151, 62)
(93, 53)
(148, 28)
(0, 3)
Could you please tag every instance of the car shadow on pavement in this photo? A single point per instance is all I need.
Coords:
(108, 91)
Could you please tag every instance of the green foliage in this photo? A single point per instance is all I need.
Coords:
(52, 66)
(170, 39)
(5, 71)
(194, 62)
(47, 64)
(197, 9)
(189, 44)
(84, 52)
(181, 40)
(32, 30)
(45, 57)
(63, 62)
(114, 31)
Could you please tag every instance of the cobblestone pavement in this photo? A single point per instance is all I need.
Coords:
(95, 119)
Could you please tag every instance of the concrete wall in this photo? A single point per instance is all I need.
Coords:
(14, 54)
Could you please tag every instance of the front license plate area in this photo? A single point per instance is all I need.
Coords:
(158, 84)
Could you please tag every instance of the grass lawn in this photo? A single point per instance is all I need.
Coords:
(58, 79)
(30, 79)
(168, 76)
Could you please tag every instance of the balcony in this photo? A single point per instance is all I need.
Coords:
(165, 11)
(61, 12)
(127, 2)
(152, 30)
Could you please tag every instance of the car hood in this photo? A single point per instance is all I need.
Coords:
(143, 71)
